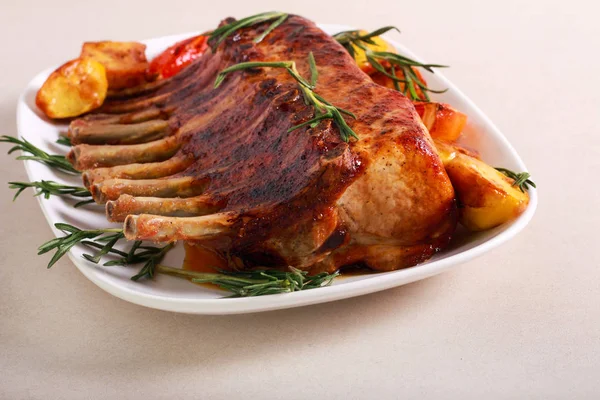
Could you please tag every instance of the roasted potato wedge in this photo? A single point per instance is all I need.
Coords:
(73, 89)
(125, 62)
(486, 196)
(442, 121)
(447, 151)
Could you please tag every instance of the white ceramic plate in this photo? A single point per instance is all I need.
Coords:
(173, 294)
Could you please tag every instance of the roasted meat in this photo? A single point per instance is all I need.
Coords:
(181, 160)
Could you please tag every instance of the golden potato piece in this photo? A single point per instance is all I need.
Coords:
(487, 197)
(448, 151)
(125, 62)
(442, 121)
(73, 89)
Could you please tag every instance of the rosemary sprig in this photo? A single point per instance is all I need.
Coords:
(347, 38)
(149, 255)
(51, 160)
(51, 188)
(105, 240)
(521, 179)
(251, 283)
(323, 108)
(74, 236)
(255, 283)
(64, 141)
(412, 81)
(221, 33)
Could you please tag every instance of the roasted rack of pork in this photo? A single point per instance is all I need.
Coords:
(180, 160)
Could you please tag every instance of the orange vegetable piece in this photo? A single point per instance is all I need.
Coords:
(442, 121)
(178, 56)
(386, 81)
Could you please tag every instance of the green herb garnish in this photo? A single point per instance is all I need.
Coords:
(75, 236)
(105, 240)
(51, 188)
(221, 33)
(411, 81)
(53, 161)
(64, 141)
(521, 179)
(241, 284)
(255, 283)
(323, 108)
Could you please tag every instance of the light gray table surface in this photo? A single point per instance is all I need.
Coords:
(523, 321)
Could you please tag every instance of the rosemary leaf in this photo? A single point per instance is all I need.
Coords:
(314, 73)
(346, 37)
(105, 249)
(83, 203)
(396, 84)
(218, 35)
(64, 141)
(153, 259)
(271, 27)
(100, 246)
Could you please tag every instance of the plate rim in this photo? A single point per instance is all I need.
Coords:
(378, 282)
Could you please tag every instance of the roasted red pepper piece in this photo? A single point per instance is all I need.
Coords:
(176, 57)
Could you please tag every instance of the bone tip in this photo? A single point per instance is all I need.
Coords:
(73, 155)
(97, 194)
(73, 131)
(74, 127)
(110, 209)
(87, 179)
(130, 227)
